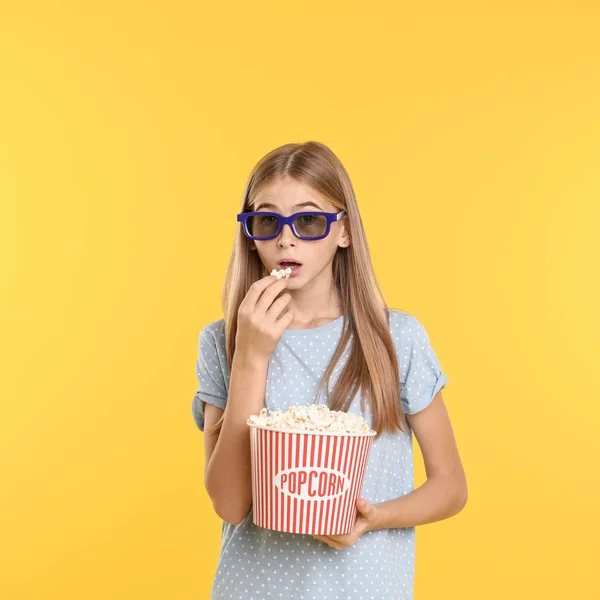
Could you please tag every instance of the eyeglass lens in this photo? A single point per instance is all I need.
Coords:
(305, 225)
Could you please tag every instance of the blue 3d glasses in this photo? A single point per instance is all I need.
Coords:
(305, 225)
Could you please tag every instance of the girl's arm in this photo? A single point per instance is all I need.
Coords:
(261, 323)
(445, 492)
(227, 475)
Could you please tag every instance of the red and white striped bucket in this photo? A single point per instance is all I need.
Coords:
(307, 482)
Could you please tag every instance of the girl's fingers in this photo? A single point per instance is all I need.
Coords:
(268, 295)
(276, 309)
(329, 541)
(284, 321)
(256, 289)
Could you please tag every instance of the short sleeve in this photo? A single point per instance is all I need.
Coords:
(421, 376)
(210, 367)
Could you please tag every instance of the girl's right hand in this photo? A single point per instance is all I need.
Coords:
(258, 327)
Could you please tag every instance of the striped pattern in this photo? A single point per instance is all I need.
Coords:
(307, 483)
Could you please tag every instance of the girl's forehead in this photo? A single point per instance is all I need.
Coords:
(291, 196)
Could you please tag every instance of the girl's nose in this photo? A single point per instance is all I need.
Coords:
(287, 235)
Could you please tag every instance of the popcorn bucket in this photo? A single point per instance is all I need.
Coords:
(307, 482)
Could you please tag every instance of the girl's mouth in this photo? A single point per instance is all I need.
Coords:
(295, 268)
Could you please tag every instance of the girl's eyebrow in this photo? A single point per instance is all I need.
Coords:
(301, 205)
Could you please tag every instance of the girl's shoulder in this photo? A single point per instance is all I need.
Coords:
(405, 328)
(400, 317)
(211, 339)
(215, 328)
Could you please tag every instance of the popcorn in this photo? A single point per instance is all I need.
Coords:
(311, 418)
(282, 272)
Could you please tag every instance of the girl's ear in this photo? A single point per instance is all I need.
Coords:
(344, 238)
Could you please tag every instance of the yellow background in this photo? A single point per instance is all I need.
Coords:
(471, 132)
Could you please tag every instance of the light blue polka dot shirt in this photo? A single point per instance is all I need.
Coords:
(257, 563)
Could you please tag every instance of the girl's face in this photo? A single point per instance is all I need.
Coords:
(286, 197)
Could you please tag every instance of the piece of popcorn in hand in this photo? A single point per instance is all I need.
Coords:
(282, 272)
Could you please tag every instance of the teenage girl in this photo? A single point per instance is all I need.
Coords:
(280, 343)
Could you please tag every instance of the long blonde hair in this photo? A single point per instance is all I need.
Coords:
(372, 364)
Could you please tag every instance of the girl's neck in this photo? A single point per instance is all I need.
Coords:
(315, 322)
(309, 312)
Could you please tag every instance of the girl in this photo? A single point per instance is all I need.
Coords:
(280, 343)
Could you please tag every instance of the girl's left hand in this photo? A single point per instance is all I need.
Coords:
(365, 521)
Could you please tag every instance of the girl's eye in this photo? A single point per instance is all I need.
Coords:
(266, 221)
(308, 219)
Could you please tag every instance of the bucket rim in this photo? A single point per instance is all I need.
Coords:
(369, 433)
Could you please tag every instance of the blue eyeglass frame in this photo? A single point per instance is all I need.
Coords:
(331, 218)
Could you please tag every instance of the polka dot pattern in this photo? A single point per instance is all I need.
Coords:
(257, 563)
